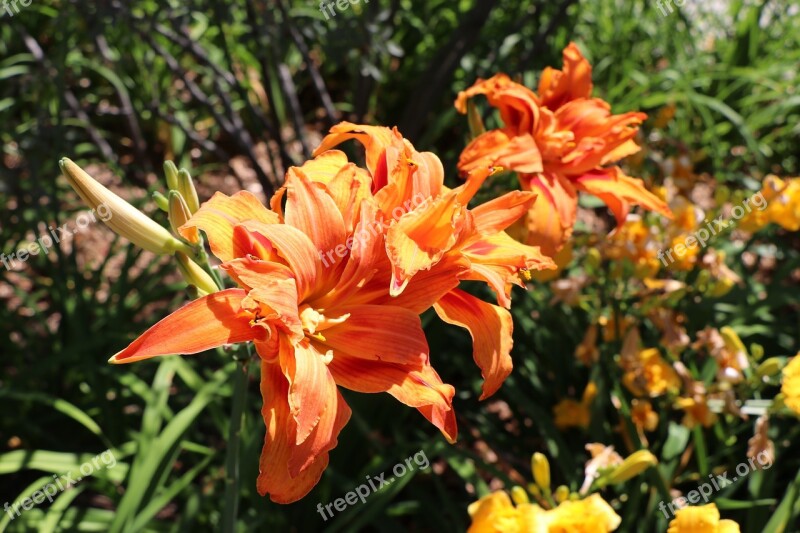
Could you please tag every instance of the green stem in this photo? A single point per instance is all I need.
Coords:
(231, 509)
(700, 447)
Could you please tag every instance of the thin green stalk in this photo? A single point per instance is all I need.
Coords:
(232, 478)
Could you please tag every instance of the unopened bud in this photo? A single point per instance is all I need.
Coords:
(171, 173)
(126, 221)
(519, 495)
(474, 119)
(187, 190)
(161, 201)
(195, 275)
(632, 466)
(541, 471)
(770, 367)
(561, 494)
(179, 215)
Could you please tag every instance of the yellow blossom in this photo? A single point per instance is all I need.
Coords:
(570, 413)
(590, 515)
(701, 519)
(791, 384)
(495, 513)
(648, 374)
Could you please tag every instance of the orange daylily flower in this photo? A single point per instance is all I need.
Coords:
(312, 326)
(560, 142)
(439, 238)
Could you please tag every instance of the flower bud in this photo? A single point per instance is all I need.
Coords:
(179, 215)
(732, 341)
(540, 467)
(171, 172)
(126, 221)
(632, 466)
(770, 367)
(161, 201)
(195, 275)
(187, 190)
(561, 494)
(474, 119)
(519, 495)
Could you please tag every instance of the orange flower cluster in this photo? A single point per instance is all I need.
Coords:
(560, 141)
(350, 319)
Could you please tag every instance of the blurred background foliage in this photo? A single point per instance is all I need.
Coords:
(240, 91)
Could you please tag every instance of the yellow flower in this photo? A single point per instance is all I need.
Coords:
(570, 413)
(778, 202)
(791, 384)
(701, 519)
(648, 374)
(495, 513)
(590, 515)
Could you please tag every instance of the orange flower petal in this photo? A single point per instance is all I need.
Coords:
(326, 166)
(275, 477)
(310, 209)
(381, 333)
(498, 259)
(420, 238)
(490, 327)
(312, 388)
(198, 326)
(218, 216)
(374, 138)
(423, 290)
(296, 249)
(349, 188)
(557, 87)
(619, 192)
(498, 214)
(422, 389)
(518, 105)
(552, 216)
(518, 152)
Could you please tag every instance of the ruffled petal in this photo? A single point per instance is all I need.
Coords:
(219, 216)
(557, 87)
(422, 389)
(419, 239)
(551, 218)
(619, 192)
(518, 152)
(490, 327)
(280, 455)
(294, 247)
